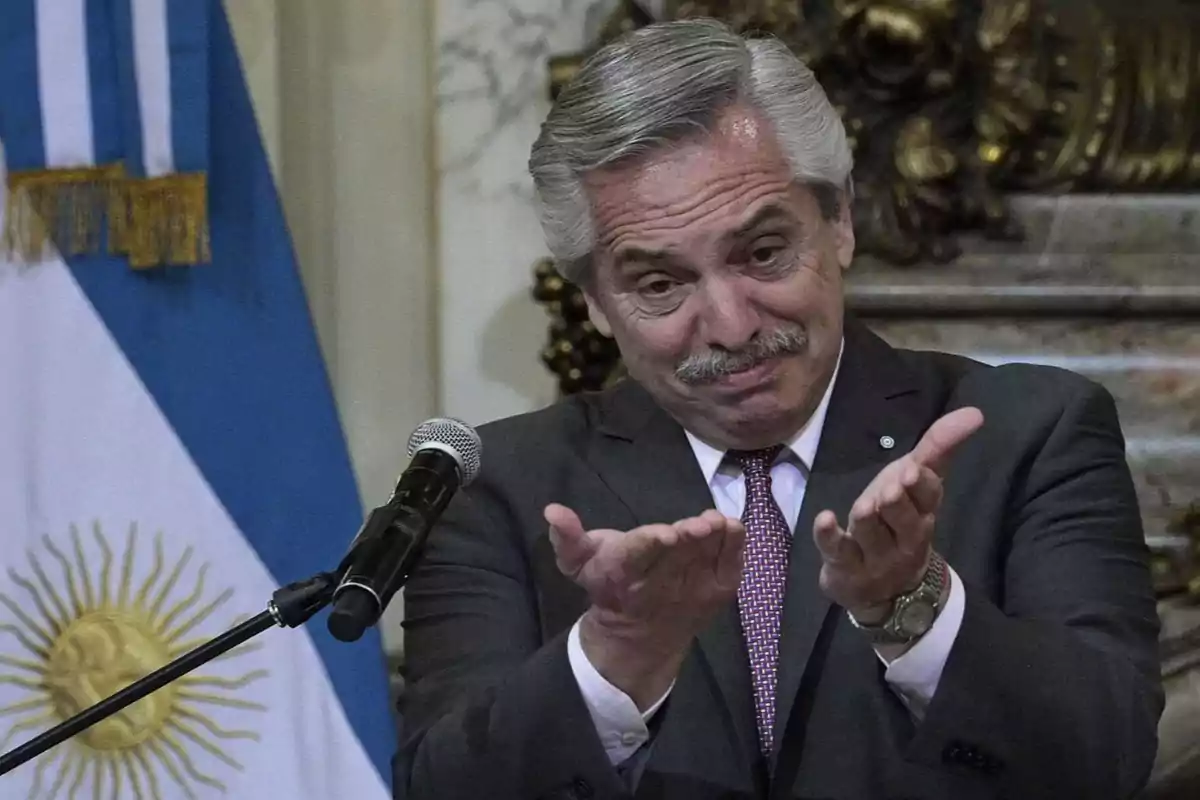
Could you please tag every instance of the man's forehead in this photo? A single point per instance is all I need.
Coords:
(705, 182)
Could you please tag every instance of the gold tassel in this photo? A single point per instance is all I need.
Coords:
(66, 208)
(152, 221)
(162, 220)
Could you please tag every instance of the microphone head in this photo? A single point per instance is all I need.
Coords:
(451, 436)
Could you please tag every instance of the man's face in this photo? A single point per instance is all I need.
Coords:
(721, 282)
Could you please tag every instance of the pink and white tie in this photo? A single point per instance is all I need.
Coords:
(764, 578)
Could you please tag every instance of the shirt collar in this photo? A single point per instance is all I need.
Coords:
(803, 445)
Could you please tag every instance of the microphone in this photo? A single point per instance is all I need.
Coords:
(445, 456)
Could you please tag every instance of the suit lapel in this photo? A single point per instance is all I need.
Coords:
(875, 396)
(644, 456)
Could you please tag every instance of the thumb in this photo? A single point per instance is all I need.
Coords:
(944, 437)
(572, 545)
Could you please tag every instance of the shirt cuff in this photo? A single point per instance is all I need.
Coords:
(622, 728)
(915, 675)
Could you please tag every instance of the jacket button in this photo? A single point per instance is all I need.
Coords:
(954, 753)
(582, 789)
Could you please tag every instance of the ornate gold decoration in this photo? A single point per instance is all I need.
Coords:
(964, 102)
(75, 641)
(1177, 569)
(581, 356)
(952, 105)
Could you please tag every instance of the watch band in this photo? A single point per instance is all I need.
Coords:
(913, 612)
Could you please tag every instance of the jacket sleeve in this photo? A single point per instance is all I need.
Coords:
(488, 709)
(1055, 691)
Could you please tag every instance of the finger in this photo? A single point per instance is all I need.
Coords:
(703, 534)
(944, 436)
(646, 548)
(835, 545)
(699, 543)
(662, 551)
(717, 519)
(572, 545)
(924, 487)
(701, 528)
(900, 514)
(866, 526)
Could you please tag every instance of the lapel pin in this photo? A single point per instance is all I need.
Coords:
(887, 442)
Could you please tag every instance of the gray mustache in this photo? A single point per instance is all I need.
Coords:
(716, 364)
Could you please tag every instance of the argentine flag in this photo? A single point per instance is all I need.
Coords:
(170, 453)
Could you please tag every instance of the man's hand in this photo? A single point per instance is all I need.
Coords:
(886, 548)
(652, 589)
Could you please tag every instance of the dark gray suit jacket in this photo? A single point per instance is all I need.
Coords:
(1050, 691)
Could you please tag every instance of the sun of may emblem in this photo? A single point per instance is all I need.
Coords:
(77, 635)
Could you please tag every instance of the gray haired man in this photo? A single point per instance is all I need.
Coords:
(783, 559)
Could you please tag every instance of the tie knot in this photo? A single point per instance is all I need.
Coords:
(756, 462)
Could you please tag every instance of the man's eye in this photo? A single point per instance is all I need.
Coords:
(764, 254)
(657, 286)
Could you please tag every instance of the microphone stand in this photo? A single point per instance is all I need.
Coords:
(290, 606)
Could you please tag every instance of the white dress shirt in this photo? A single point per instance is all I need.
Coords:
(913, 676)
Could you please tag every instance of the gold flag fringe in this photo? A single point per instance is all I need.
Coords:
(163, 220)
(66, 208)
(152, 221)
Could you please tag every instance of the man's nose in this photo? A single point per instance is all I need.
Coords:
(730, 320)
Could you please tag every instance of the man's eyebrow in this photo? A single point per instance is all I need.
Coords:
(768, 213)
(772, 212)
(642, 255)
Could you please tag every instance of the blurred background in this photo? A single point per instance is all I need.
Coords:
(1026, 190)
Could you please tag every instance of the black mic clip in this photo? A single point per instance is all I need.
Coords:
(445, 456)
(358, 604)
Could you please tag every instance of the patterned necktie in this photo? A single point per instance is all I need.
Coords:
(760, 595)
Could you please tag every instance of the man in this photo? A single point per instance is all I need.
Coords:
(784, 559)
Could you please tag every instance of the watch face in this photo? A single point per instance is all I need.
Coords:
(916, 618)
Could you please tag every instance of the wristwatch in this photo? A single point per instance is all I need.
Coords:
(914, 612)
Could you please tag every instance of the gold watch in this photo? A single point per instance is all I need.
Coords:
(913, 613)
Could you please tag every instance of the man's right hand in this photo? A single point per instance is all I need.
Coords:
(653, 589)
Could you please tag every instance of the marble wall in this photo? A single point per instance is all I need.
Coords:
(491, 98)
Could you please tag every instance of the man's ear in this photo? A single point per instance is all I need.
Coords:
(844, 232)
(597, 315)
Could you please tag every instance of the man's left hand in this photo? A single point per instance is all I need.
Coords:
(886, 548)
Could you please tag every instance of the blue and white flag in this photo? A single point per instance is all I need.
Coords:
(170, 452)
